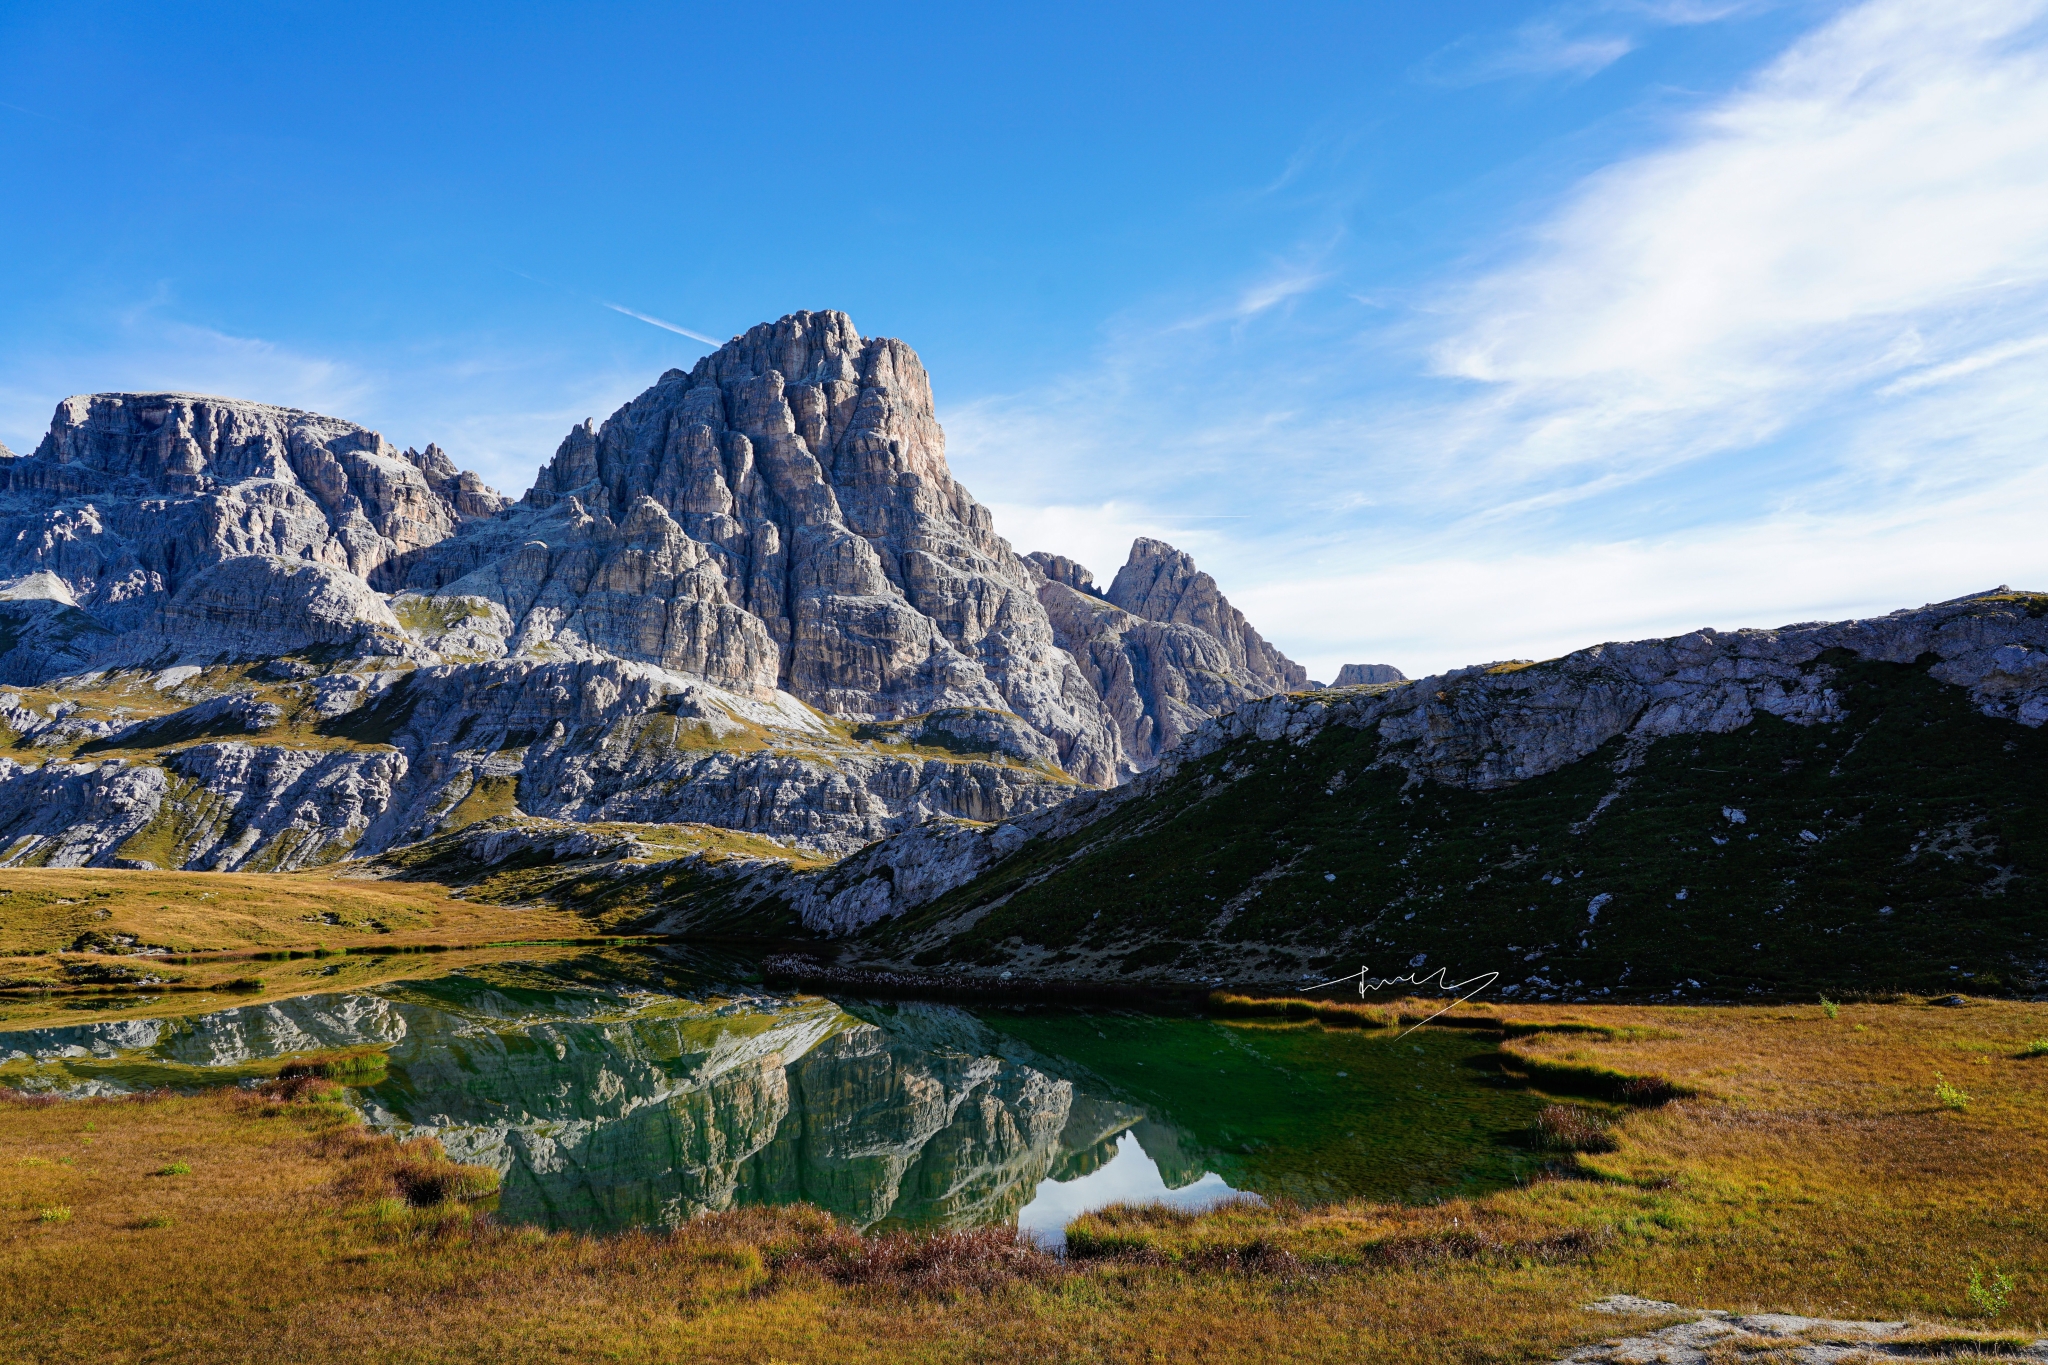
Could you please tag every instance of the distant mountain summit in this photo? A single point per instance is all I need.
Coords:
(1163, 647)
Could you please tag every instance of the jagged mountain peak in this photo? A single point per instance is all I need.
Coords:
(1162, 583)
(829, 551)
(1163, 647)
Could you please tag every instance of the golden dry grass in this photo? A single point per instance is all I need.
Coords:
(1812, 1171)
(227, 917)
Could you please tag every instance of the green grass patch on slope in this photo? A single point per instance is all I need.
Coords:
(1904, 848)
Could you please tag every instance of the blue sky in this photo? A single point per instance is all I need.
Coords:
(1440, 333)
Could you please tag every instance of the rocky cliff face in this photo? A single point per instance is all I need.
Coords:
(132, 495)
(1163, 648)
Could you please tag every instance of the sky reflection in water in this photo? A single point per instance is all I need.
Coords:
(1131, 1177)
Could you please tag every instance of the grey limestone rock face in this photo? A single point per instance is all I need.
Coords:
(1161, 583)
(1164, 649)
(130, 495)
(262, 606)
(782, 516)
(1362, 675)
(42, 631)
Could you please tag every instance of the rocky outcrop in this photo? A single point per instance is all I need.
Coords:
(782, 516)
(131, 495)
(1705, 1337)
(1163, 649)
(558, 582)
(1368, 675)
(307, 770)
(1490, 727)
(1161, 583)
(261, 607)
(42, 631)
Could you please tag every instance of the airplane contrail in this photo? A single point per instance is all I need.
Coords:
(669, 326)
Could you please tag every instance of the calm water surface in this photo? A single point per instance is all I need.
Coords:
(625, 1087)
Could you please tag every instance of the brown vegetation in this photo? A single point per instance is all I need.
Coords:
(72, 933)
(1810, 1169)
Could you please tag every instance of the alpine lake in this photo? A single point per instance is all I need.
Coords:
(618, 1087)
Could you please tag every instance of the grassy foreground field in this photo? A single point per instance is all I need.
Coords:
(1814, 1167)
(76, 943)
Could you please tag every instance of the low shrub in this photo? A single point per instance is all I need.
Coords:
(1989, 1296)
(298, 1089)
(175, 1168)
(56, 1213)
(1477, 1244)
(154, 1220)
(933, 1263)
(425, 1178)
(28, 1098)
(2037, 1048)
(1950, 1096)
(1568, 1128)
(1647, 1092)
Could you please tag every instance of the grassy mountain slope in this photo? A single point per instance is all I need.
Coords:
(1905, 848)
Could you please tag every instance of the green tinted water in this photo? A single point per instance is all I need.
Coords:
(623, 1087)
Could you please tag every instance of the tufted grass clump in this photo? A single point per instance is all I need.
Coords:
(54, 1213)
(1950, 1096)
(1570, 1128)
(174, 1168)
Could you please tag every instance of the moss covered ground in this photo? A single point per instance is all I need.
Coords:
(1903, 849)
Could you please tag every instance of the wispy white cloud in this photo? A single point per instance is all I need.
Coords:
(1576, 39)
(1883, 184)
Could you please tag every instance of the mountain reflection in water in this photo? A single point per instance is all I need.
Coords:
(609, 1093)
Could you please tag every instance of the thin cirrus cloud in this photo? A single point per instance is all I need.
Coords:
(1542, 48)
(1784, 365)
(1571, 40)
